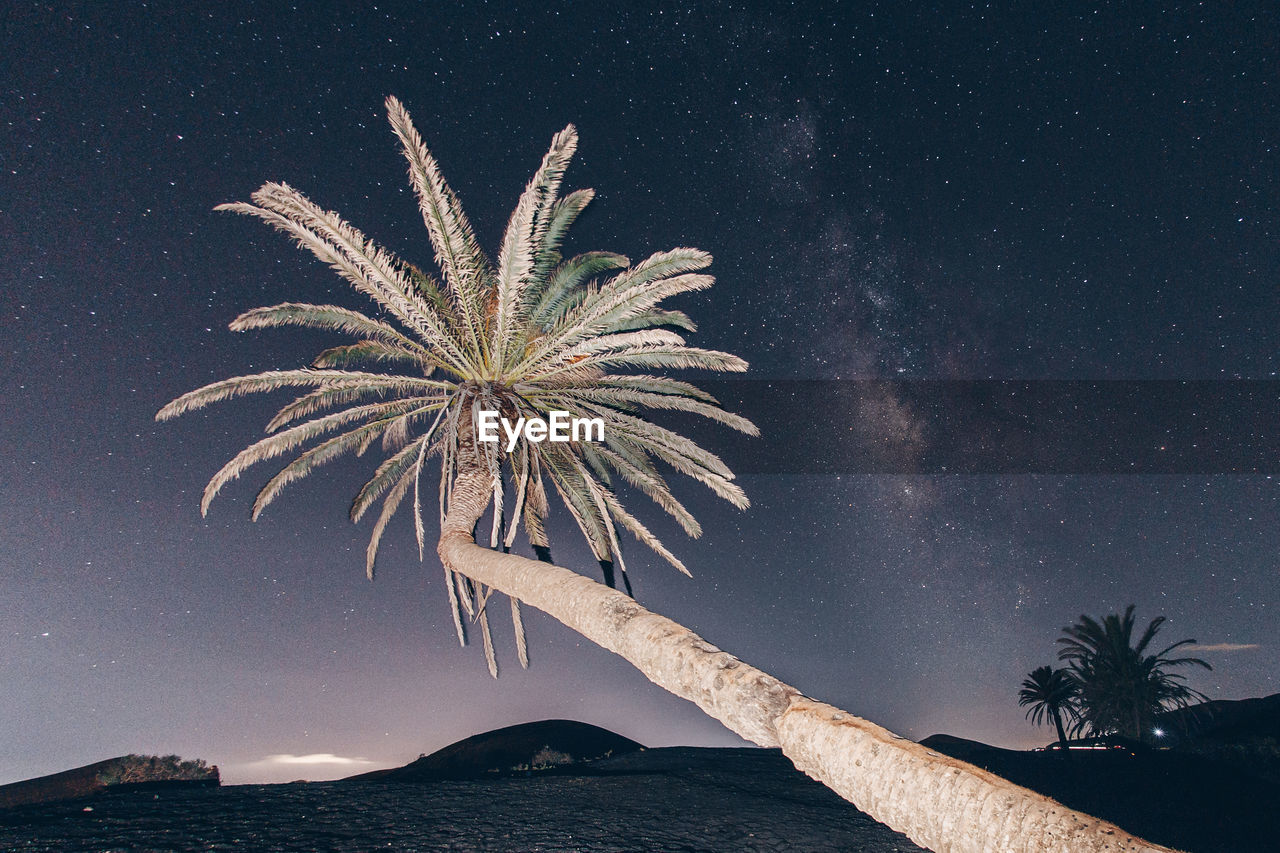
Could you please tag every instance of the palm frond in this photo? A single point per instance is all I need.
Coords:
(362, 352)
(458, 254)
(391, 471)
(273, 380)
(655, 317)
(566, 285)
(354, 441)
(523, 238)
(664, 355)
(366, 264)
(389, 507)
(328, 397)
(619, 397)
(281, 443)
(563, 214)
(328, 317)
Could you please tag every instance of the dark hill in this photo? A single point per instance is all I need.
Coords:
(961, 748)
(126, 771)
(528, 746)
(1225, 720)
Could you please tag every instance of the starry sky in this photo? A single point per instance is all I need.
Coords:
(907, 205)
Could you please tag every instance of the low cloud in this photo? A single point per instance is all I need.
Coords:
(313, 758)
(1221, 647)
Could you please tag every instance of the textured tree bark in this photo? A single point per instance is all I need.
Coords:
(936, 801)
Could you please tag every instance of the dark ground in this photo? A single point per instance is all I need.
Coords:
(1185, 801)
(675, 799)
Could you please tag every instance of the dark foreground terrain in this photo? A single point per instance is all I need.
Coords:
(1182, 800)
(676, 799)
(568, 786)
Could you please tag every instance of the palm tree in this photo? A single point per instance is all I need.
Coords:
(529, 334)
(1050, 693)
(1122, 687)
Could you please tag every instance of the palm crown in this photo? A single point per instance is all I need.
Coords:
(531, 333)
(1122, 685)
(1047, 694)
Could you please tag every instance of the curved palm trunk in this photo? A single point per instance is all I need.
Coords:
(1057, 722)
(937, 801)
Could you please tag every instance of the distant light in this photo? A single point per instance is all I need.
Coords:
(314, 758)
(1158, 732)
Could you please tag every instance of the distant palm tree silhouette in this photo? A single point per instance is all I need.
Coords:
(1121, 687)
(1050, 693)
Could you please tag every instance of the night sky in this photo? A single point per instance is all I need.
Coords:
(949, 193)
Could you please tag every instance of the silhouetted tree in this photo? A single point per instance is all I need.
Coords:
(1121, 686)
(1050, 693)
